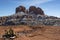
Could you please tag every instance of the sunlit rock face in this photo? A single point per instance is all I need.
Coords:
(40, 11)
(20, 9)
(36, 10)
(32, 9)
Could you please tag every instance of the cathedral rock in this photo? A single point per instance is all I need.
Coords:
(35, 10)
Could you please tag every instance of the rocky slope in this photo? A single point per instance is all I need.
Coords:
(32, 16)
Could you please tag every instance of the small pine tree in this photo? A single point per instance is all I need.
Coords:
(11, 32)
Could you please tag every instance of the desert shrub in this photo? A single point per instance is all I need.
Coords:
(9, 33)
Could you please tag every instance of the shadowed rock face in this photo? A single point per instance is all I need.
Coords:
(20, 9)
(26, 11)
(36, 10)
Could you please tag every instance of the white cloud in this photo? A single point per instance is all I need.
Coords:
(31, 2)
(37, 2)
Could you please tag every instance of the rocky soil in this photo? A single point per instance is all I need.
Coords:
(24, 32)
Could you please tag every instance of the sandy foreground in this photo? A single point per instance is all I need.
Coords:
(24, 32)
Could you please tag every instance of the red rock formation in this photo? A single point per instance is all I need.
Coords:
(40, 11)
(20, 9)
(32, 8)
(36, 10)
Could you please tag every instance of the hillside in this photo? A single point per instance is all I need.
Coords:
(32, 16)
(30, 24)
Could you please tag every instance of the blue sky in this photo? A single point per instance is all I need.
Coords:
(50, 7)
